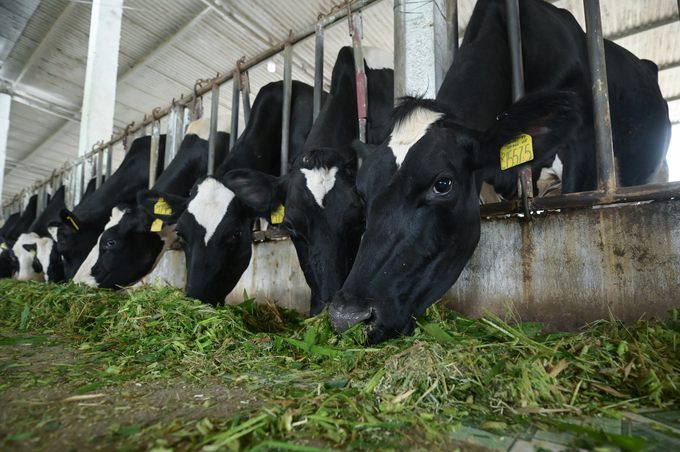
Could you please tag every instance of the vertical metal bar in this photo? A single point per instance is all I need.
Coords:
(524, 179)
(356, 32)
(153, 152)
(245, 95)
(214, 113)
(100, 164)
(287, 90)
(452, 30)
(598, 72)
(235, 96)
(109, 161)
(174, 134)
(318, 70)
(186, 120)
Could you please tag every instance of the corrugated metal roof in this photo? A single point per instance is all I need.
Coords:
(166, 45)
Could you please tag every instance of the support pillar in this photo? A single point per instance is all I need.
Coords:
(5, 104)
(99, 99)
(420, 47)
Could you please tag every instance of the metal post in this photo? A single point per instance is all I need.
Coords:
(598, 72)
(245, 96)
(186, 120)
(356, 32)
(42, 201)
(153, 155)
(100, 164)
(287, 90)
(214, 113)
(235, 96)
(109, 161)
(452, 30)
(174, 135)
(318, 71)
(524, 179)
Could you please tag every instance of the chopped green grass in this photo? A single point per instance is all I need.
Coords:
(334, 389)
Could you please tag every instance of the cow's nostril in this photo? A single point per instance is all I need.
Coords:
(344, 317)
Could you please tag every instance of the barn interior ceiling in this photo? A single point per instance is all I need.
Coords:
(166, 45)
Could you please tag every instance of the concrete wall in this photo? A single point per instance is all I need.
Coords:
(570, 268)
(564, 269)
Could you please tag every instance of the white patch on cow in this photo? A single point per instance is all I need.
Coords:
(52, 231)
(410, 130)
(45, 245)
(84, 273)
(26, 272)
(550, 180)
(320, 181)
(201, 127)
(209, 205)
(377, 58)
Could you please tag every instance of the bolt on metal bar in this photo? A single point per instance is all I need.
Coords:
(287, 100)
(174, 134)
(245, 95)
(153, 152)
(604, 145)
(214, 113)
(235, 96)
(318, 71)
(452, 30)
(524, 179)
(356, 32)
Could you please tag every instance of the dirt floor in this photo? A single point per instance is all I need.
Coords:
(44, 406)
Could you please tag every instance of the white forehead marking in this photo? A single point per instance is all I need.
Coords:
(410, 130)
(45, 245)
(84, 273)
(320, 181)
(52, 230)
(25, 258)
(201, 127)
(209, 205)
(377, 58)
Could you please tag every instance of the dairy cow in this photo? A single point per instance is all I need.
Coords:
(323, 212)
(130, 246)
(78, 231)
(214, 227)
(9, 263)
(421, 185)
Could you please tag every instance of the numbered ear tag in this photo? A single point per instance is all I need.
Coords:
(4, 246)
(518, 151)
(277, 214)
(162, 208)
(157, 225)
(73, 223)
(32, 252)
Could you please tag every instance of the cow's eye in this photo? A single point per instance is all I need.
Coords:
(237, 235)
(442, 186)
(110, 243)
(289, 226)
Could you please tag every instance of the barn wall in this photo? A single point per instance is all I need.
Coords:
(575, 267)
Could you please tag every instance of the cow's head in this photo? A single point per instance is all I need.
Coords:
(25, 250)
(47, 260)
(421, 189)
(127, 250)
(9, 264)
(214, 229)
(74, 240)
(323, 214)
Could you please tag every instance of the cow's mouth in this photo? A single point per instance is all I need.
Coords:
(344, 316)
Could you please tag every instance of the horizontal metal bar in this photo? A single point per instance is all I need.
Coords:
(652, 192)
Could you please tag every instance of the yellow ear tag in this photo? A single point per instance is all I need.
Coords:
(32, 252)
(157, 225)
(4, 246)
(162, 208)
(73, 223)
(518, 151)
(277, 214)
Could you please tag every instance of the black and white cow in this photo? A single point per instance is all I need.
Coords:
(213, 226)
(9, 264)
(79, 230)
(421, 186)
(323, 212)
(131, 245)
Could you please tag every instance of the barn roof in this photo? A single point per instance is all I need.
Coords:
(166, 45)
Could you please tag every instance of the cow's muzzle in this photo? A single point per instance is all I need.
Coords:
(345, 313)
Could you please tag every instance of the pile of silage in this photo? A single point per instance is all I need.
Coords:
(335, 388)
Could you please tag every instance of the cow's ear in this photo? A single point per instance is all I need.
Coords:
(31, 248)
(69, 219)
(164, 206)
(257, 190)
(551, 118)
(52, 228)
(4, 245)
